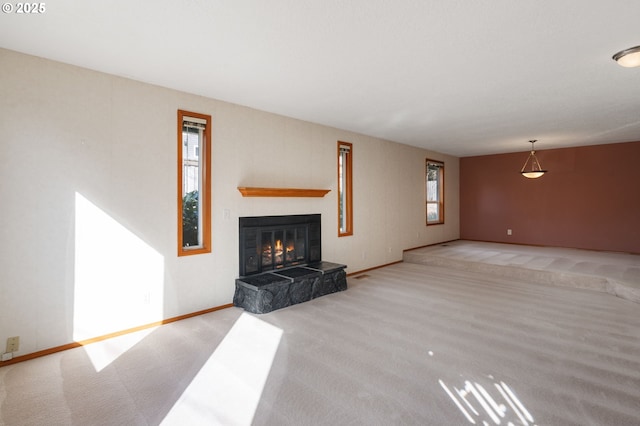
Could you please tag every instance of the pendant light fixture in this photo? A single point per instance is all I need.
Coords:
(535, 170)
(628, 58)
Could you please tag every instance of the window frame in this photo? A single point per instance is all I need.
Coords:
(204, 184)
(440, 201)
(345, 204)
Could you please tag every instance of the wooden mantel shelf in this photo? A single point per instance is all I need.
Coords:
(247, 191)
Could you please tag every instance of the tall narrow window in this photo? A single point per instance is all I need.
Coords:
(435, 192)
(345, 194)
(194, 183)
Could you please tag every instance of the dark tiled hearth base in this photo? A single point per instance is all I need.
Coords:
(269, 291)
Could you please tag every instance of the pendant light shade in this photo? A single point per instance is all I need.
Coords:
(532, 168)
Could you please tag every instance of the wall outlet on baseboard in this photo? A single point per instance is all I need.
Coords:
(509, 232)
(13, 344)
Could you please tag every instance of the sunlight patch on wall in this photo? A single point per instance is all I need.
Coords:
(228, 387)
(119, 279)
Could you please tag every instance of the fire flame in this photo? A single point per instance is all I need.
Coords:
(279, 251)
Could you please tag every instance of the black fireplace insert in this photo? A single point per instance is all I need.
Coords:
(270, 243)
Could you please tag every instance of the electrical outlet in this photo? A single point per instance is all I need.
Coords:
(509, 232)
(13, 344)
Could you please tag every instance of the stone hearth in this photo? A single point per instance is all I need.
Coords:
(269, 291)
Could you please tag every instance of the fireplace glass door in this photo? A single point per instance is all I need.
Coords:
(281, 248)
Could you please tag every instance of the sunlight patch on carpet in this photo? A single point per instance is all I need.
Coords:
(228, 387)
(105, 352)
(480, 407)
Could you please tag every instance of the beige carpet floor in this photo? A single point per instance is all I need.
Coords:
(408, 344)
(614, 273)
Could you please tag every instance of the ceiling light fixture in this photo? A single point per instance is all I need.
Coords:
(535, 171)
(629, 57)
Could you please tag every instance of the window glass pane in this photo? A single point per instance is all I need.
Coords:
(191, 178)
(194, 183)
(434, 180)
(345, 221)
(342, 160)
(432, 212)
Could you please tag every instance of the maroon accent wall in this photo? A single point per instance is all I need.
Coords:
(589, 199)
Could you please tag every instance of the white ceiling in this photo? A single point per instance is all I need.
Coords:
(462, 77)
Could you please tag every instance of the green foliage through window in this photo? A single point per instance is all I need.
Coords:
(190, 219)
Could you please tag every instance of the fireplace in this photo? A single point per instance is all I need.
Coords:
(281, 264)
(278, 242)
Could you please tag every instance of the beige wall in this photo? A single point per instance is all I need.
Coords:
(79, 146)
